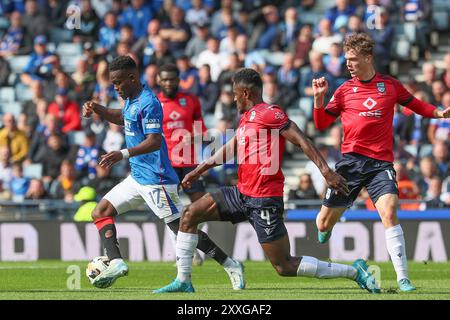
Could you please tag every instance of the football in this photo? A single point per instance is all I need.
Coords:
(96, 266)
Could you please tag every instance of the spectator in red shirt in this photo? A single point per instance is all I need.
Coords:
(66, 110)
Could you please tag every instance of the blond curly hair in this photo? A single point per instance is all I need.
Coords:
(361, 43)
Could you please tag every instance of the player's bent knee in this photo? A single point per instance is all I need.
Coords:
(188, 218)
(102, 210)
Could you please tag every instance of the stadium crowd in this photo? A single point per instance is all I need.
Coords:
(208, 41)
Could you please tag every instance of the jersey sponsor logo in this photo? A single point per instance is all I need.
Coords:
(371, 114)
(252, 115)
(355, 89)
(152, 126)
(182, 102)
(175, 125)
(174, 116)
(369, 103)
(279, 115)
(381, 87)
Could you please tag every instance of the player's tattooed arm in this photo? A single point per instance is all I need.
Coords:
(334, 180)
(111, 115)
(223, 155)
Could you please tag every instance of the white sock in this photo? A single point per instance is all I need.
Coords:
(395, 242)
(314, 268)
(115, 261)
(229, 263)
(186, 244)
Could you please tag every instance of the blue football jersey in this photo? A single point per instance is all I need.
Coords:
(142, 116)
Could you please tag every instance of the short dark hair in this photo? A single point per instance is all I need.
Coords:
(248, 77)
(122, 63)
(169, 67)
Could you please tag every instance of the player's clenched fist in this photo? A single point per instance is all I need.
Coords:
(320, 86)
(88, 109)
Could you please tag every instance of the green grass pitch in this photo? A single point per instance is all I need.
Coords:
(48, 280)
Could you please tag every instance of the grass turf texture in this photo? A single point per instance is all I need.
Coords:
(48, 280)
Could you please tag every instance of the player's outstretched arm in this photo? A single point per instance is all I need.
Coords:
(223, 155)
(297, 137)
(111, 115)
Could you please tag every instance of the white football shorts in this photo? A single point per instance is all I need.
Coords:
(163, 200)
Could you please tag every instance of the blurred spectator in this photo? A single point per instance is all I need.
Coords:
(355, 25)
(213, 57)
(87, 156)
(98, 126)
(229, 24)
(227, 74)
(342, 8)
(40, 65)
(433, 194)
(439, 129)
(414, 127)
(18, 184)
(438, 89)
(36, 190)
(103, 182)
(38, 145)
(445, 76)
(267, 33)
(335, 64)
(56, 13)
(325, 38)
(13, 138)
(114, 139)
(429, 75)
(289, 27)
(225, 108)
(145, 46)
(228, 43)
(188, 75)
(217, 20)
(104, 91)
(336, 135)
(127, 35)
(383, 35)
(83, 78)
(14, 37)
(241, 47)
(138, 15)
(407, 189)
(65, 186)
(302, 46)
(445, 195)
(197, 14)
(109, 34)
(30, 107)
(287, 79)
(149, 78)
(5, 173)
(5, 71)
(305, 86)
(87, 198)
(67, 111)
(197, 43)
(427, 171)
(161, 54)
(35, 23)
(304, 191)
(416, 15)
(89, 24)
(441, 157)
(208, 90)
(62, 81)
(176, 31)
(272, 94)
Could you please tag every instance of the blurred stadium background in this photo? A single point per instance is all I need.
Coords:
(53, 57)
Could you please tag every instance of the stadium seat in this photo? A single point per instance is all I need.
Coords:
(23, 93)
(69, 63)
(17, 63)
(11, 107)
(401, 48)
(441, 19)
(33, 171)
(76, 137)
(69, 49)
(58, 35)
(7, 94)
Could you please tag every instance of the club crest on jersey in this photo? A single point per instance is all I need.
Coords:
(355, 89)
(133, 110)
(381, 88)
(182, 102)
(252, 115)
